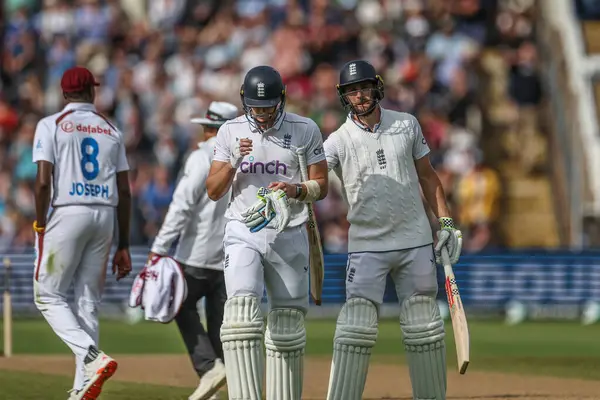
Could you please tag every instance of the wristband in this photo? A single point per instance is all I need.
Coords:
(38, 229)
(446, 223)
(313, 191)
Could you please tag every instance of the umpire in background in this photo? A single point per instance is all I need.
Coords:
(200, 225)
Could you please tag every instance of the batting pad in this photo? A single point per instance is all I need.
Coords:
(423, 332)
(285, 340)
(241, 334)
(355, 336)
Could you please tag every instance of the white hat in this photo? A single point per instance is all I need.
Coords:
(217, 114)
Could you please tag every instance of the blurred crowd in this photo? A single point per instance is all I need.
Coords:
(161, 62)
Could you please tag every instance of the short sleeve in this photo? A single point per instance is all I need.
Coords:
(420, 146)
(122, 164)
(222, 150)
(331, 151)
(43, 146)
(314, 147)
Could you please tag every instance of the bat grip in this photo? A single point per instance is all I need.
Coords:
(302, 163)
(445, 256)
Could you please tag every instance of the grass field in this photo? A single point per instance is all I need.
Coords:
(552, 349)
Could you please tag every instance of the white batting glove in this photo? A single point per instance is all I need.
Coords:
(449, 237)
(271, 208)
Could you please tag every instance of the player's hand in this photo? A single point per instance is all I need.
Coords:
(449, 237)
(242, 148)
(152, 257)
(289, 189)
(121, 263)
(271, 208)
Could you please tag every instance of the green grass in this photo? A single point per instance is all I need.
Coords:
(29, 386)
(34, 336)
(535, 348)
(563, 349)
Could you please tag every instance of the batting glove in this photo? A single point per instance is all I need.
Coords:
(271, 208)
(449, 237)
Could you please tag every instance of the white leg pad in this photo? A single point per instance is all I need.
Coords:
(285, 341)
(242, 335)
(355, 336)
(423, 334)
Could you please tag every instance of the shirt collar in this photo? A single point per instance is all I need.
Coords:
(365, 127)
(276, 127)
(80, 106)
(279, 121)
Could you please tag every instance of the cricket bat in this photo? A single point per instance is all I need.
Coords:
(457, 314)
(317, 266)
(7, 318)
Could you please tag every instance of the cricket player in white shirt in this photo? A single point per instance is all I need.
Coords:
(382, 159)
(83, 174)
(199, 223)
(266, 241)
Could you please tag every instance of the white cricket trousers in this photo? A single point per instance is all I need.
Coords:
(73, 250)
(278, 261)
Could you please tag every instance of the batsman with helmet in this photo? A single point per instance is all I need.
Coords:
(265, 239)
(382, 159)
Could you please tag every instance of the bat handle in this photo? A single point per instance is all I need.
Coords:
(445, 257)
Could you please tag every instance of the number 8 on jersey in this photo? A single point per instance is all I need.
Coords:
(89, 158)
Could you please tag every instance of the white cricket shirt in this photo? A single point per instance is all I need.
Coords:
(87, 152)
(380, 182)
(273, 159)
(198, 221)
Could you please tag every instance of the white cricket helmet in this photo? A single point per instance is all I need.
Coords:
(217, 114)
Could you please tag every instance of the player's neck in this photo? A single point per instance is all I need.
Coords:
(371, 120)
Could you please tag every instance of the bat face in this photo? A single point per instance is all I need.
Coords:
(459, 322)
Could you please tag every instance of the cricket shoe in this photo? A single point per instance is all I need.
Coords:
(98, 369)
(210, 383)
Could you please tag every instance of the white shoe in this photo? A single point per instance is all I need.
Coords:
(96, 373)
(210, 383)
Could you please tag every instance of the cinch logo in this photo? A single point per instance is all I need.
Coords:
(275, 167)
(93, 129)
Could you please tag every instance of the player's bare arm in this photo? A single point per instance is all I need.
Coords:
(432, 187)
(122, 258)
(448, 235)
(317, 172)
(222, 173)
(43, 188)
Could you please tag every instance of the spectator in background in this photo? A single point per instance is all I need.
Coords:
(477, 194)
(525, 87)
(163, 61)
